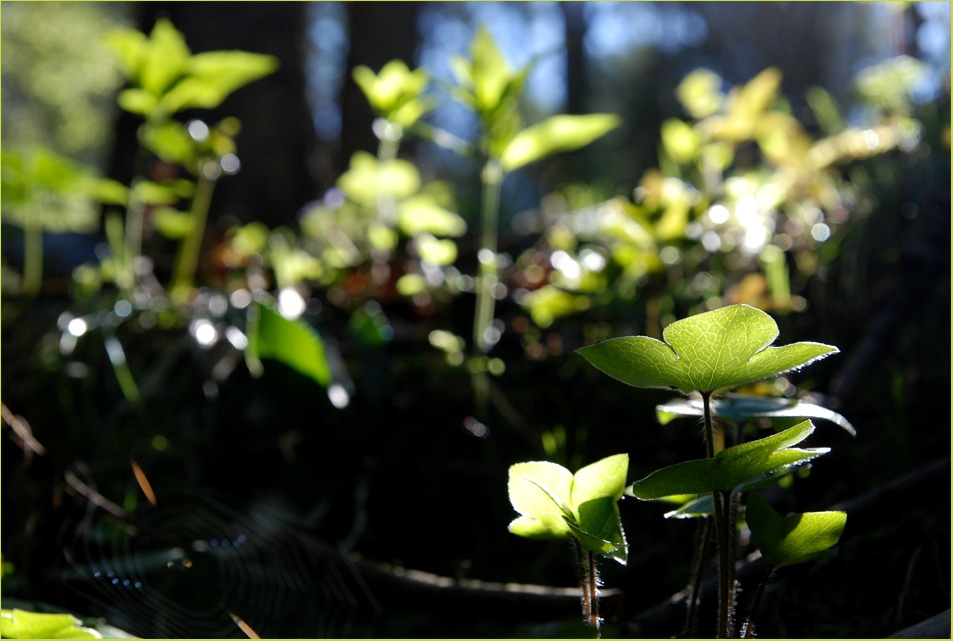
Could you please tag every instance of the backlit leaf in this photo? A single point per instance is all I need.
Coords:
(556, 134)
(793, 539)
(706, 352)
(540, 491)
(22, 624)
(731, 467)
(741, 407)
(292, 342)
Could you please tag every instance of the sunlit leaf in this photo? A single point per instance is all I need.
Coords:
(137, 101)
(22, 624)
(707, 352)
(170, 141)
(152, 193)
(411, 284)
(436, 252)
(422, 214)
(129, 45)
(292, 342)
(793, 539)
(213, 76)
(731, 467)
(394, 93)
(555, 503)
(172, 223)
(741, 407)
(556, 134)
(366, 179)
(604, 478)
(548, 303)
(680, 140)
(540, 491)
(164, 58)
(700, 93)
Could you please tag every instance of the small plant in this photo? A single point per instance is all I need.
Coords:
(487, 87)
(709, 353)
(554, 503)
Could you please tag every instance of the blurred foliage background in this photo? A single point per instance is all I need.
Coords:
(252, 283)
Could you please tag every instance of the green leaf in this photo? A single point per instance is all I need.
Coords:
(367, 180)
(170, 141)
(600, 529)
(137, 101)
(212, 76)
(129, 45)
(556, 134)
(731, 467)
(421, 213)
(394, 93)
(706, 352)
(602, 479)
(793, 539)
(21, 624)
(540, 492)
(164, 58)
(741, 407)
(172, 223)
(292, 342)
(554, 503)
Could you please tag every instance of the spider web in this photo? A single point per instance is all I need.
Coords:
(199, 565)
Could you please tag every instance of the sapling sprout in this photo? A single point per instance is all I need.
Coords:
(554, 503)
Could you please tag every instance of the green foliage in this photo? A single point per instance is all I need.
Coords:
(795, 538)
(555, 134)
(292, 342)
(554, 503)
(741, 407)
(707, 352)
(41, 186)
(731, 467)
(396, 93)
(22, 624)
(166, 78)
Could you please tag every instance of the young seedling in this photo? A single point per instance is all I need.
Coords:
(709, 353)
(554, 503)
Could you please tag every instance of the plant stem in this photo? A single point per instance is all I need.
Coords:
(188, 258)
(588, 580)
(720, 502)
(702, 534)
(486, 280)
(32, 255)
(749, 624)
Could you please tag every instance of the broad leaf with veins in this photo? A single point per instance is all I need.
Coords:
(707, 352)
(731, 467)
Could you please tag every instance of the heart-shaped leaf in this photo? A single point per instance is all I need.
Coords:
(740, 407)
(541, 492)
(554, 503)
(707, 352)
(793, 539)
(731, 467)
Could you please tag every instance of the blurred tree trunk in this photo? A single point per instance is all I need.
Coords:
(577, 80)
(379, 32)
(277, 143)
